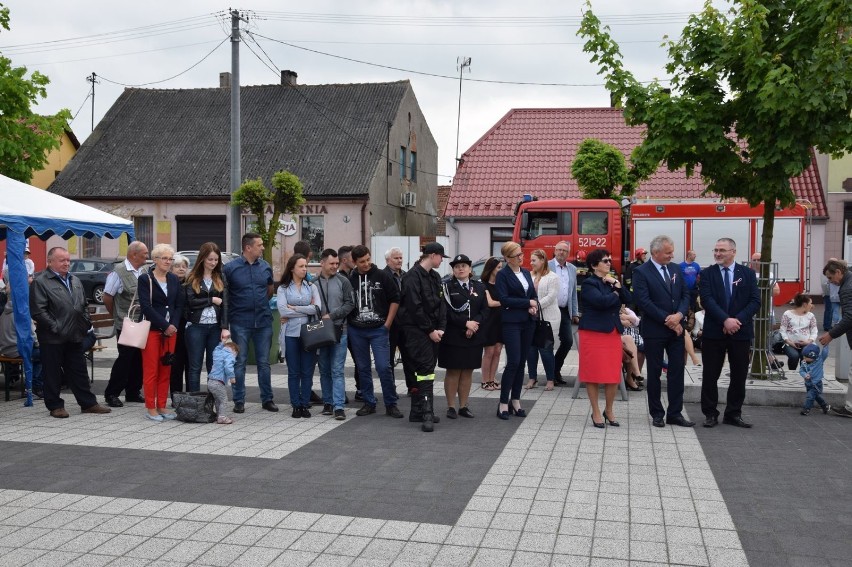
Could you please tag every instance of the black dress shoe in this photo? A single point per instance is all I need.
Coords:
(558, 381)
(679, 420)
(113, 402)
(736, 421)
(135, 398)
(711, 421)
(658, 422)
(269, 406)
(239, 407)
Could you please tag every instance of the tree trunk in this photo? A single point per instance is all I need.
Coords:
(762, 356)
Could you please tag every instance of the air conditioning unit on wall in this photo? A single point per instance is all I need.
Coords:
(408, 199)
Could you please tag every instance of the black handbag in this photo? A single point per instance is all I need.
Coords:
(194, 407)
(543, 334)
(317, 332)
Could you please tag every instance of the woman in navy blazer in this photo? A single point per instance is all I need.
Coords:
(161, 299)
(518, 305)
(600, 334)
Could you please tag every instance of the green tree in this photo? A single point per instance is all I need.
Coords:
(600, 170)
(25, 137)
(752, 91)
(286, 198)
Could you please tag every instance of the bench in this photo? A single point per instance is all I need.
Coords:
(8, 361)
(103, 324)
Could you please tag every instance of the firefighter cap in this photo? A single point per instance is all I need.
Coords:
(639, 252)
(460, 259)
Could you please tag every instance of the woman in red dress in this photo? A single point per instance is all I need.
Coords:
(600, 331)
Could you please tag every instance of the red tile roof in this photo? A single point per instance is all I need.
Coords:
(530, 150)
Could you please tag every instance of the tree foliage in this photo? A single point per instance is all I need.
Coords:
(285, 196)
(600, 170)
(25, 137)
(752, 91)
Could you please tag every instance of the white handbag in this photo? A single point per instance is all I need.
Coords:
(135, 334)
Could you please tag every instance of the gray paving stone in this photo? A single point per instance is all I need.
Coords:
(187, 551)
(222, 555)
(87, 541)
(573, 545)
(531, 559)
(383, 549)
(314, 542)
(685, 554)
(257, 557)
(279, 538)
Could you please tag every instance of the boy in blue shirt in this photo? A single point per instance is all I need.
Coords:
(811, 369)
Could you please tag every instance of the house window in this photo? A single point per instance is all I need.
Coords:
(144, 229)
(248, 223)
(499, 237)
(413, 165)
(91, 247)
(402, 162)
(313, 232)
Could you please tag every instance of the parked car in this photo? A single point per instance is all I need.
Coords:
(192, 256)
(92, 273)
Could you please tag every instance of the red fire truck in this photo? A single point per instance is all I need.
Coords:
(597, 223)
(697, 226)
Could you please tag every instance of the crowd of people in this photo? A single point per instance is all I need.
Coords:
(212, 315)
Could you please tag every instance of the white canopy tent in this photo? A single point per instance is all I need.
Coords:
(27, 211)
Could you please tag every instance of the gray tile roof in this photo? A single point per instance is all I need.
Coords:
(156, 143)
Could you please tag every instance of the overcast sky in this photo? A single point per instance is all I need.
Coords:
(533, 41)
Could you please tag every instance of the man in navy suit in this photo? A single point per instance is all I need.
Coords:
(660, 292)
(730, 297)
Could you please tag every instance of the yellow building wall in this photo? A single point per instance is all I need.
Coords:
(839, 170)
(56, 160)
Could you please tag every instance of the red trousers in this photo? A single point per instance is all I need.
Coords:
(156, 377)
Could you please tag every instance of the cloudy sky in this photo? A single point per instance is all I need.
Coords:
(534, 41)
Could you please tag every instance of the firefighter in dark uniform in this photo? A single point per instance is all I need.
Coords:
(422, 313)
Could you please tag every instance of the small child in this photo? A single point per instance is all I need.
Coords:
(812, 371)
(224, 357)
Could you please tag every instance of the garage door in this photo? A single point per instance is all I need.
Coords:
(193, 231)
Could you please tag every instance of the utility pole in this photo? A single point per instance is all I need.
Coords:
(94, 80)
(462, 63)
(236, 212)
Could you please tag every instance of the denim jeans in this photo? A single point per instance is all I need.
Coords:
(262, 339)
(300, 372)
(331, 360)
(814, 394)
(547, 360)
(200, 339)
(362, 340)
(793, 356)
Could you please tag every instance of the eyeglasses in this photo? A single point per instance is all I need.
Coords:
(166, 258)
(561, 250)
(721, 250)
(518, 255)
(607, 260)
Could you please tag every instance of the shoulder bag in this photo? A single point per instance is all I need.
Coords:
(317, 332)
(543, 334)
(135, 334)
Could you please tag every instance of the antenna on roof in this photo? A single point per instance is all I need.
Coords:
(462, 63)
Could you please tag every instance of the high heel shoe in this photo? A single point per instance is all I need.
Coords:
(503, 414)
(636, 388)
(638, 378)
(520, 412)
(600, 425)
(610, 421)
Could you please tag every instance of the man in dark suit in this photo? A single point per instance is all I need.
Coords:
(660, 292)
(730, 297)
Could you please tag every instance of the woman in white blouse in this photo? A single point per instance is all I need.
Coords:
(798, 329)
(547, 287)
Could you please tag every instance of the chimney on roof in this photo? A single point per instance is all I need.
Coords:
(288, 78)
(225, 80)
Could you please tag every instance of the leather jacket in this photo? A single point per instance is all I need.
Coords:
(60, 316)
(196, 302)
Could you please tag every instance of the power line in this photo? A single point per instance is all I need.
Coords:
(120, 54)
(73, 116)
(193, 66)
(466, 44)
(171, 26)
(437, 75)
(473, 21)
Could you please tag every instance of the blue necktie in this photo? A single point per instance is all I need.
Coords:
(666, 277)
(727, 286)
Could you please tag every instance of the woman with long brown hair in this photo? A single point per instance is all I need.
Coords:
(206, 310)
(297, 300)
(547, 287)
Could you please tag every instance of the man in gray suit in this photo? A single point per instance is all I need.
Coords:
(567, 300)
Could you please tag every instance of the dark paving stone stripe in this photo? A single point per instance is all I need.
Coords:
(370, 467)
(786, 483)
